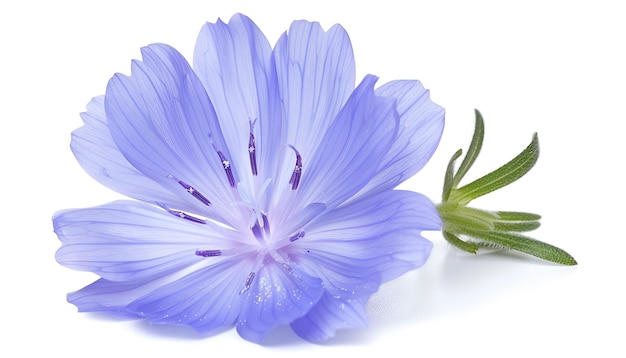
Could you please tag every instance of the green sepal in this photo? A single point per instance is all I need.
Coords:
(463, 216)
(463, 245)
(491, 229)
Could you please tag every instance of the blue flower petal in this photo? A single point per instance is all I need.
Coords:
(351, 149)
(355, 248)
(420, 129)
(336, 312)
(98, 154)
(382, 230)
(283, 170)
(108, 296)
(279, 294)
(316, 74)
(129, 240)
(207, 299)
(233, 61)
(163, 122)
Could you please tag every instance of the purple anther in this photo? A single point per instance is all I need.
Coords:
(191, 190)
(227, 168)
(266, 224)
(248, 283)
(261, 229)
(208, 253)
(296, 236)
(297, 170)
(256, 230)
(288, 268)
(252, 149)
(182, 215)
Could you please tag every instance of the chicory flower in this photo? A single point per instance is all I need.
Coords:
(264, 185)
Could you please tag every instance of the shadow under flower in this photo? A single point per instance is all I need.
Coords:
(453, 282)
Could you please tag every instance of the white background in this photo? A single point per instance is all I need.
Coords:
(554, 67)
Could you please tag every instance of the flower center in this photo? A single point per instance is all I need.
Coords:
(265, 247)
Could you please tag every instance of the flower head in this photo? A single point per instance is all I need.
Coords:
(263, 182)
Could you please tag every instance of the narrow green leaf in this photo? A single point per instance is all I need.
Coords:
(488, 245)
(516, 226)
(447, 181)
(473, 150)
(463, 245)
(505, 175)
(517, 216)
(526, 245)
(481, 228)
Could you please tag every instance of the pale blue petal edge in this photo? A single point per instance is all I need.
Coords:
(164, 124)
(233, 62)
(99, 156)
(316, 75)
(356, 248)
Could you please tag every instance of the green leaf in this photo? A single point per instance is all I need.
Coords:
(517, 216)
(470, 229)
(488, 245)
(524, 244)
(463, 245)
(473, 150)
(516, 226)
(516, 221)
(505, 175)
(448, 179)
